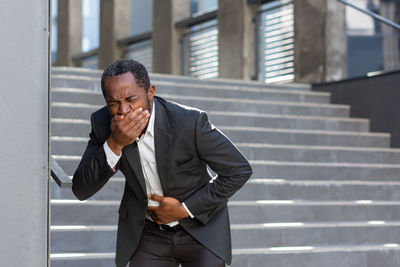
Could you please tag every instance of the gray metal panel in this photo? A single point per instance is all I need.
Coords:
(24, 133)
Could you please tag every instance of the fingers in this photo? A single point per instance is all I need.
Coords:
(155, 197)
(136, 126)
(152, 212)
(129, 126)
(137, 113)
(134, 122)
(132, 116)
(151, 209)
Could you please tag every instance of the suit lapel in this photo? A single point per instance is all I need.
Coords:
(162, 143)
(132, 156)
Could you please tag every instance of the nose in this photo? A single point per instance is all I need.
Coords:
(123, 108)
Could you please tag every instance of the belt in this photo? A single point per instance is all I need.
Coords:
(165, 227)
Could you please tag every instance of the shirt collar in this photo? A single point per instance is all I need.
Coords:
(150, 126)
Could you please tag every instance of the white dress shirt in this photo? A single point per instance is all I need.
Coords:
(148, 161)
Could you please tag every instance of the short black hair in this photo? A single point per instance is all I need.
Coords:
(125, 65)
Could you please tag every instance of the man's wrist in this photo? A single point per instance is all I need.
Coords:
(187, 211)
(184, 213)
(116, 149)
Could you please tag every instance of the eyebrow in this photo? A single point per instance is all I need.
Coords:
(114, 100)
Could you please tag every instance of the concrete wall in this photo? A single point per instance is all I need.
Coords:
(166, 37)
(69, 31)
(236, 37)
(114, 25)
(24, 133)
(375, 98)
(320, 41)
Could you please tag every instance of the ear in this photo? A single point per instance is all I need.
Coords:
(150, 92)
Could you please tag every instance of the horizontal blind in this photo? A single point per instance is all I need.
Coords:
(200, 51)
(277, 43)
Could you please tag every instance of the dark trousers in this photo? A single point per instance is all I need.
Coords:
(160, 248)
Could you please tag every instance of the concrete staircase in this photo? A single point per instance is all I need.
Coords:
(325, 191)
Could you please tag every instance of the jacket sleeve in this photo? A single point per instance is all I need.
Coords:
(93, 171)
(232, 168)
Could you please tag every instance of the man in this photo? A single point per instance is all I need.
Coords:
(172, 211)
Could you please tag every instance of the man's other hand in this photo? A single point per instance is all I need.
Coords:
(125, 129)
(169, 210)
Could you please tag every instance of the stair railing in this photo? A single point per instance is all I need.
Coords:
(59, 175)
(381, 45)
(372, 14)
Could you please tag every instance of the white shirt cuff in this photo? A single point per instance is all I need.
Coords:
(187, 210)
(112, 158)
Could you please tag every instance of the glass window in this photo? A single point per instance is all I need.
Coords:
(91, 24)
(141, 16)
(203, 6)
(371, 45)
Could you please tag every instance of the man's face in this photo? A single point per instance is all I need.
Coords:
(122, 94)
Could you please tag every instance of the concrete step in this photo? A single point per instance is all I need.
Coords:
(325, 170)
(256, 189)
(113, 190)
(70, 127)
(239, 134)
(102, 238)
(81, 127)
(83, 110)
(295, 169)
(227, 118)
(276, 211)
(105, 212)
(82, 95)
(82, 259)
(314, 233)
(88, 212)
(278, 152)
(272, 137)
(83, 79)
(386, 255)
(305, 137)
(81, 239)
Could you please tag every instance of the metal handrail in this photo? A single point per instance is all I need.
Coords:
(194, 20)
(372, 14)
(59, 175)
(135, 39)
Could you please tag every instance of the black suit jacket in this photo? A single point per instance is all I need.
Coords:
(185, 143)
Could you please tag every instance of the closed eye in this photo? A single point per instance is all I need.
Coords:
(131, 98)
(111, 103)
